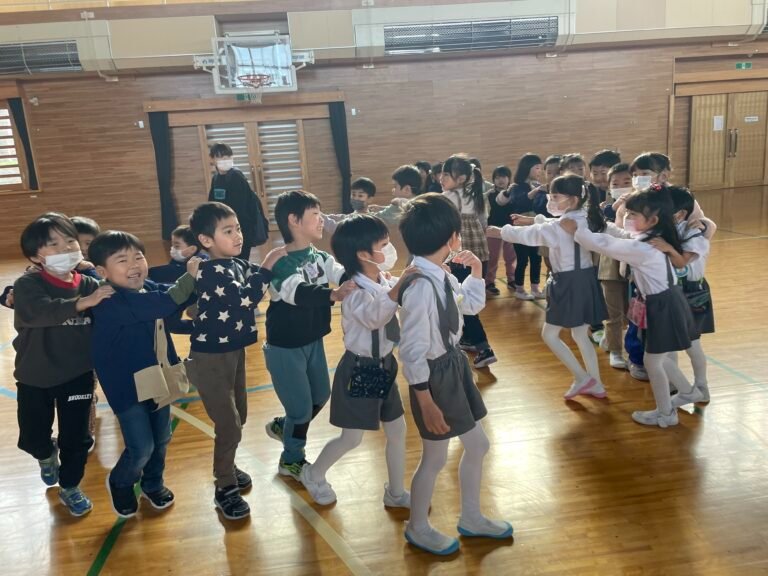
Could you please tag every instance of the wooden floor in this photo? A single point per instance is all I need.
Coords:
(588, 491)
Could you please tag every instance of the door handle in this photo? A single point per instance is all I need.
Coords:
(729, 149)
(262, 185)
(736, 142)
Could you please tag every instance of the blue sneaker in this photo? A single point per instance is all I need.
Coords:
(76, 502)
(49, 468)
(275, 428)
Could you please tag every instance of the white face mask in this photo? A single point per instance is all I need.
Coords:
(390, 258)
(617, 193)
(641, 182)
(225, 165)
(62, 263)
(631, 227)
(177, 255)
(554, 208)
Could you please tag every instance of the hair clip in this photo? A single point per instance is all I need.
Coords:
(656, 187)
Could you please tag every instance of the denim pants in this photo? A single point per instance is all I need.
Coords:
(146, 433)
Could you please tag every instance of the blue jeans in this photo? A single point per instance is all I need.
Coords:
(146, 433)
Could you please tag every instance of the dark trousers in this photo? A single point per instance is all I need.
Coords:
(526, 254)
(474, 333)
(71, 402)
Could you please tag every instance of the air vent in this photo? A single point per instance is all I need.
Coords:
(472, 36)
(34, 57)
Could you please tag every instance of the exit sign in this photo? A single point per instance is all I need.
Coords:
(743, 65)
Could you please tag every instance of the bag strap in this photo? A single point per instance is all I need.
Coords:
(576, 256)
(161, 343)
(375, 350)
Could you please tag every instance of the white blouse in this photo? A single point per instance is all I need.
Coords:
(367, 309)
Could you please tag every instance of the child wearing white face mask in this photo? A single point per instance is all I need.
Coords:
(574, 298)
(183, 247)
(365, 392)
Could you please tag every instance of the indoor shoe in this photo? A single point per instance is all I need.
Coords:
(401, 501)
(485, 528)
(692, 397)
(432, 541)
(617, 361)
(656, 418)
(579, 387)
(320, 491)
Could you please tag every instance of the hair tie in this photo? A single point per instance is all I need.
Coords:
(584, 192)
(472, 166)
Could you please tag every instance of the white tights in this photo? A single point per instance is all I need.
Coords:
(433, 458)
(551, 336)
(351, 438)
(662, 369)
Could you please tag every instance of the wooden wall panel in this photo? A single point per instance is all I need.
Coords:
(324, 176)
(681, 136)
(187, 183)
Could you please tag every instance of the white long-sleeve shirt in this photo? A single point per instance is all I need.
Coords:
(549, 233)
(463, 204)
(420, 338)
(693, 241)
(649, 265)
(367, 309)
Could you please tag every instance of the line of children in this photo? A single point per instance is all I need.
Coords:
(406, 185)
(362, 192)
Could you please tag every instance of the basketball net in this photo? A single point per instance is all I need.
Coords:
(254, 83)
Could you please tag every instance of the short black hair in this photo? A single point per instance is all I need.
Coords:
(568, 159)
(364, 185)
(295, 202)
(682, 199)
(423, 165)
(184, 232)
(428, 223)
(501, 171)
(437, 168)
(553, 159)
(605, 158)
(653, 161)
(618, 169)
(353, 234)
(408, 176)
(111, 242)
(38, 232)
(85, 225)
(206, 217)
(220, 149)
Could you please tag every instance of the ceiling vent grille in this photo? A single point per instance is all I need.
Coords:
(34, 57)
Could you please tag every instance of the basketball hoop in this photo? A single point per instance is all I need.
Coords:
(255, 84)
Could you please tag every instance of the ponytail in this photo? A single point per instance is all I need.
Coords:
(595, 216)
(475, 190)
(460, 165)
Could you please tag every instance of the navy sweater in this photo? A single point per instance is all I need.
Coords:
(228, 292)
(123, 341)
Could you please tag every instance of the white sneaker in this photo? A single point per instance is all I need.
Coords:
(432, 541)
(617, 361)
(597, 390)
(638, 372)
(604, 343)
(579, 387)
(704, 389)
(680, 399)
(402, 501)
(485, 528)
(321, 492)
(538, 295)
(655, 418)
(523, 295)
(597, 335)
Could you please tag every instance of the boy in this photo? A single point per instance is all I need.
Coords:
(298, 317)
(54, 372)
(434, 181)
(425, 171)
(228, 290)
(499, 216)
(87, 230)
(406, 185)
(183, 247)
(124, 351)
(599, 166)
(230, 187)
(363, 189)
(445, 401)
(573, 163)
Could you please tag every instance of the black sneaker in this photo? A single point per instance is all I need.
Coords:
(161, 499)
(231, 504)
(243, 479)
(467, 347)
(491, 289)
(484, 358)
(123, 500)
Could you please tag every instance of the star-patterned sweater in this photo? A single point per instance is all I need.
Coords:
(228, 290)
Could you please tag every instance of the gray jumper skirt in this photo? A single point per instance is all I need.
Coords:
(671, 327)
(574, 297)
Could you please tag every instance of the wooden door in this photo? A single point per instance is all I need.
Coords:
(747, 129)
(709, 141)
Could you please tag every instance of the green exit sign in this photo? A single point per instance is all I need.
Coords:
(743, 65)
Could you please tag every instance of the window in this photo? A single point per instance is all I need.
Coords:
(12, 169)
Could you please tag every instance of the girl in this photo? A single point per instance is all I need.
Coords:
(574, 300)
(517, 199)
(361, 244)
(462, 184)
(499, 216)
(669, 325)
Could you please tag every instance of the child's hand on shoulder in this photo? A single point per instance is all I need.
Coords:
(569, 225)
(101, 293)
(661, 245)
(520, 220)
(338, 294)
(394, 292)
(193, 265)
(468, 259)
(273, 256)
(493, 232)
(432, 415)
(85, 265)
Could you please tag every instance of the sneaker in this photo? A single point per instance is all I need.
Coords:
(243, 479)
(320, 491)
(538, 295)
(484, 358)
(160, 499)
(432, 541)
(402, 501)
(123, 500)
(485, 528)
(704, 389)
(656, 418)
(638, 372)
(231, 505)
(293, 469)
(680, 399)
(579, 387)
(275, 428)
(92, 444)
(511, 285)
(76, 502)
(597, 335)
(617, 361)
(467, 347)
(603, 344)
(491, 289)
(597, 390)
(523, 295)
(49, 468)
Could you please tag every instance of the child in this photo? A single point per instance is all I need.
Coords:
(363, 189)
(228, 291)
(183, 247)
(462, 184)
(361, 244)
(406, 185)
(54, 372)
(670, 325)
(298, 317)
(517, 198)
(499, 216)
(124, 351)
(434, 181)
(425, 170)
(599, 166)
(444, 398)
(87, 230)
(692, 263)
(230, 187)
(574, 298)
